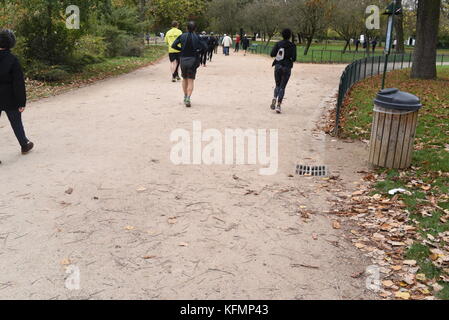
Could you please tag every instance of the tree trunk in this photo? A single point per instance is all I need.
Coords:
(308, 44)
(399, 25)
(348, 43)
(425, 56)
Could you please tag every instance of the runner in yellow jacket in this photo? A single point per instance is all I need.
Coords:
(173, 54)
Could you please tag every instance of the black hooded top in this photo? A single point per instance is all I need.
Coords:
(290, 53)
(12, 82)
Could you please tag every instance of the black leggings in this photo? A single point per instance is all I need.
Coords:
(15, 118)
(282, 76)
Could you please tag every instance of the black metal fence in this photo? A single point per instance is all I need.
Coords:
(369, 67)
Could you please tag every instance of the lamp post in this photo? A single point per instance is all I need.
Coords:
(392, 10)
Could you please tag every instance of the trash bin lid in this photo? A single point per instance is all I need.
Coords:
(392, 98)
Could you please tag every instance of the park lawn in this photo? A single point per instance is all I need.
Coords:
(428, 179)
(94, 72)
(333, 52)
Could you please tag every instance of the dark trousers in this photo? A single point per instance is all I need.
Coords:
(15, 118)
(210, 54)
(282, 76)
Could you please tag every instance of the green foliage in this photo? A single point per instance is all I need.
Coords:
(89, 49)
(166, 11)
(45, 37)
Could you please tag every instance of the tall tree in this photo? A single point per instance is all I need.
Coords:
(399, 25)
(311, 17)
(425, 56)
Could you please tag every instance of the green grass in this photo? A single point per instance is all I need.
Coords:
(430, 160)
(94, 72)
(333, 53)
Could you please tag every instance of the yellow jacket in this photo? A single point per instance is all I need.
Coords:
(170, 37)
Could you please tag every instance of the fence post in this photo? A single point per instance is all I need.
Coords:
(330, 58)
(394, 62)
(442, 60)
(402, 63)
(410, 61)
(378, 65)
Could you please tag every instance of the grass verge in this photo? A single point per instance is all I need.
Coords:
(94, 72)
(427, 181)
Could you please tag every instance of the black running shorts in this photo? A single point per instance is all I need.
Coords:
(173, 57)
(189, 65)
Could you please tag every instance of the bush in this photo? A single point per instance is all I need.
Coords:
(133, 48)
(91, 46)
(114, 38)
(119, 43)
(47, 41)
(89, 49)
(42, 72)
(443, 41)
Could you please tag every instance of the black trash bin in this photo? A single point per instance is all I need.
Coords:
(394, 127)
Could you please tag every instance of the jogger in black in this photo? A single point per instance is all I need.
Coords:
(285, 53)
(192, 49)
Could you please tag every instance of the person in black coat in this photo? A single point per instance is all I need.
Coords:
(12, 89)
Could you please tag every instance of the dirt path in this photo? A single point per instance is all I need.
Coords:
(206, 232)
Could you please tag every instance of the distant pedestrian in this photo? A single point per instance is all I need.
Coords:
(357, 44)
(211, 45)
(12, 89)
(203, 58)
(245, 44)
(173, 54)
(148, 38)
(285, 53)
(227, 43)
(191, 48)
(217, 44)
(374, 45)
(237, 43)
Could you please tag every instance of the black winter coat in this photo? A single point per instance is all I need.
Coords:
(12, 82)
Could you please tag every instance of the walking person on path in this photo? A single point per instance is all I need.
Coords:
(211, 46)
(12, 89)
(374, 44)
(245, 44)
(285, 53)
(173, 54)
(237, 43)
(204, 37)
(227, 43)
(191, 47)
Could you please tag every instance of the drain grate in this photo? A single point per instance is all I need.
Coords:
(312, 171)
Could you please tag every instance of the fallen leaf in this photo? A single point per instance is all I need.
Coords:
(148, 257)
(336, 225)
(69, 191)
(410, 262)
(421, 277)
(402, 295)
(183, 244)
(66, 262)
(129, 228)
(172, 220)
(388, 283)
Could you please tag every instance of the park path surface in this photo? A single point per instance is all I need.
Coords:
(139, 227)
